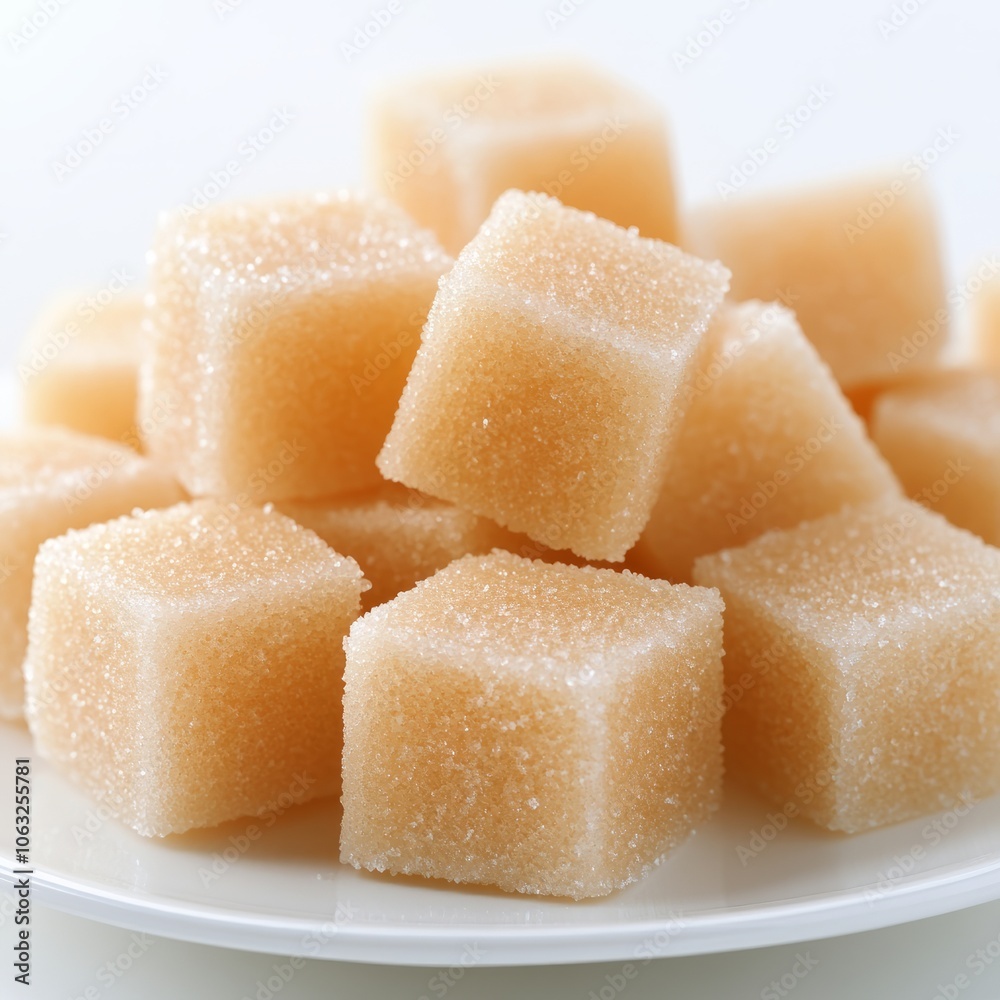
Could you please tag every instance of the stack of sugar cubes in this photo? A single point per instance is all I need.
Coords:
(507, 549)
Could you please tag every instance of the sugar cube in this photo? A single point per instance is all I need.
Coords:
(51, 480)
(286, 328)
(185, 666)
(768, 441)
(546, 393)
(397, 536)
(445, 147)
(942, 437)
(861, 664)
(540, 727)
(985, 288)
(858, 262)
(79, 366)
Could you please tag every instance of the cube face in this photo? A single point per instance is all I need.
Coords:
(287, 329)
(294, 444)
(663, 714)
(824, 712)
(864, 279)
(547, 389)
(986, 314)
(556, 731)
(52, 480)
(447, 147)
(793, 449)
(223, 643)
(942, 438)
(80, 366)
(397, 536)
(432, 816)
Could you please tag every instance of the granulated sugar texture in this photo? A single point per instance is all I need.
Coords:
(864, 648)
(540, 727)
(185, 666)
(547, 392)
(285, 329)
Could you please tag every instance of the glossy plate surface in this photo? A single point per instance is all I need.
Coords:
(751, 877)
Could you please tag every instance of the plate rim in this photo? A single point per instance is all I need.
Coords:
(737, 928)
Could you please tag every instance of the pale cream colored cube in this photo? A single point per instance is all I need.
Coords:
(942, 438)
(185, 666)
(51, 480)
(447, 146)
(858, 261)
(768, 441)
(397, 536)
(285, 327)
(539, 727)
(548, 391)
(79, 367)
(861, 665)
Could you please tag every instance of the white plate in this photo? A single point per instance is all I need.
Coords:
(286, 893)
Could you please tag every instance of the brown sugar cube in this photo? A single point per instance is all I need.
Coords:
(80, 365)
(768, 441)
(51, 480)
(857, 261)
(285, 328)
(861, 665)
(540, 727)
(547, 391)
(447, 146)
(185, 666)
(942, 438)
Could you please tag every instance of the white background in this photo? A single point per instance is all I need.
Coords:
(228, 70)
